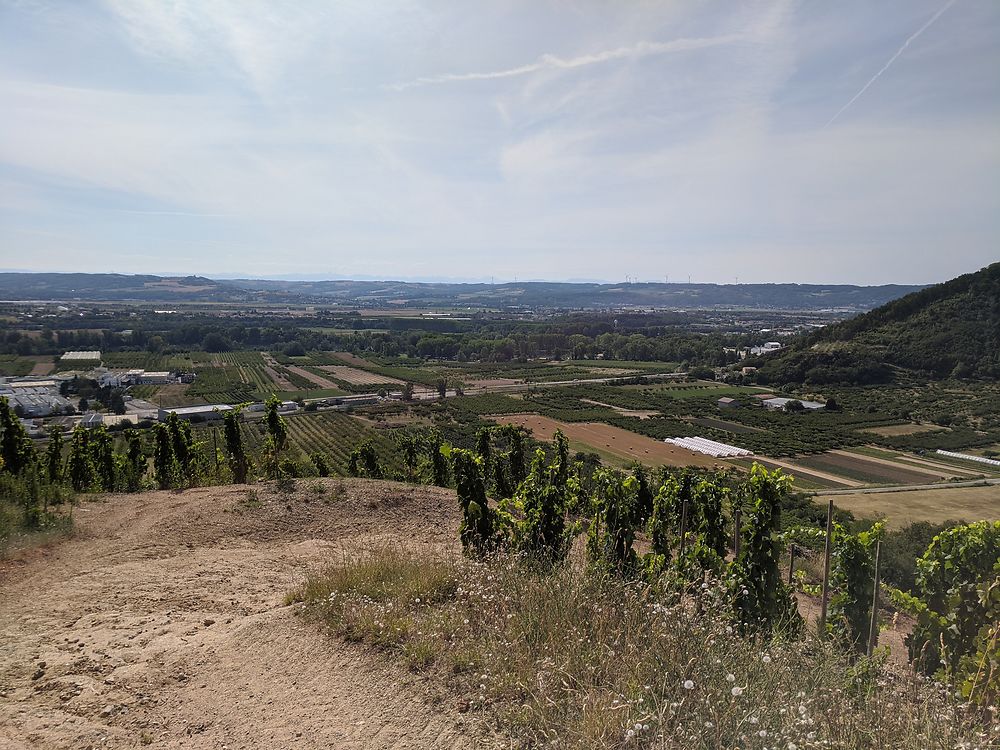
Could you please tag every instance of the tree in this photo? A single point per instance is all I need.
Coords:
(164, 462)
(215, 342)
(81, 468)
(363, 461)
(16, 448)
(53, 455)
(409, 444)
(958, 582)
(135, 461)
(440, 475)
(103, 458)
(484, 449)
(761, 598)
(182, 443)
(277, 432)
(612, 529)
(236, 455)
(853, 582)
(478, 519)
(320, 463)
(543, 499)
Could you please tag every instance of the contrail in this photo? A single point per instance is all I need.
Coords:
(892, 59)
(641, 49)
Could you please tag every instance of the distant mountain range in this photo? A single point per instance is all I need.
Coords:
(534, 295)
(946, 330)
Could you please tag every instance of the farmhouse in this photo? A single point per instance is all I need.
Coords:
(196, 413)
(780, 402)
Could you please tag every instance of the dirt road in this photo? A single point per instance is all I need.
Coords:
(162, 624)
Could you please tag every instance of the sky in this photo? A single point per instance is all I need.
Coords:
(812, 141)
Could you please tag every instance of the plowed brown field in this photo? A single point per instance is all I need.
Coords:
(605, 438)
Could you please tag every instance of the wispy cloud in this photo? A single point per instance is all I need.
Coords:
(554, 62)
(892, 59)
(174, 213)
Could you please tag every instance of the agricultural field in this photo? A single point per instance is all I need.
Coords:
(868, 470)
(13, 365)
(334, 434)
(620, 445)
(801, 479)
(902, 507)
(893, 430)
(354, 376)
(721, 424)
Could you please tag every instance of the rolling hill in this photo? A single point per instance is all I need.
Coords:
(405, 294)
(947, 330)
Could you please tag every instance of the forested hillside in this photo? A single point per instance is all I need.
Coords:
(947, 330)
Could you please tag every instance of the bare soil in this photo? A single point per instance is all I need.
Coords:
(605, 438)
(312, 377)
(42, 366)
(351, 359)
(162, 623)
(277, 378)
(355, 376)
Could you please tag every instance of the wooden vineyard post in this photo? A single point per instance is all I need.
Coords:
(215, 449)
(826, 567)
(684, 519)
(736, 532)
(873, 625)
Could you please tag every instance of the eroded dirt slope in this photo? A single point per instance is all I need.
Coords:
(162, 624)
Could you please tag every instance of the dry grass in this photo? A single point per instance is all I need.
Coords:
(937, 505)
(903, 429)
(572, 660)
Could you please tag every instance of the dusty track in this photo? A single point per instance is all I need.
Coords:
(162, 624)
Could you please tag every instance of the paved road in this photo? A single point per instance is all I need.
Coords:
(911, 487)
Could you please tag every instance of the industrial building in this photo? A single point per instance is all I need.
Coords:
(197, 413)
(779, 402)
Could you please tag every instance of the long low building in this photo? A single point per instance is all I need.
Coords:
(197, 413)
(780, 402)
(708, 447)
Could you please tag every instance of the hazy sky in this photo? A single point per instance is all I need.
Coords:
(816, 141)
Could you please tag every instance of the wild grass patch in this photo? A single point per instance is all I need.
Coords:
(577, 660)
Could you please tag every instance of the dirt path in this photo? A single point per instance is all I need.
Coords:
(162, 624)
(276, 377)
